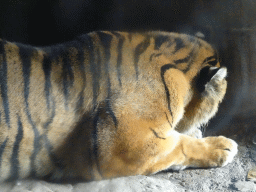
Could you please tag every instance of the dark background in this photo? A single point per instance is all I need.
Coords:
(227, 24)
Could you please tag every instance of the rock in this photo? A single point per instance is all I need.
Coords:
(40, 186)
(130, 184)
(245, 186)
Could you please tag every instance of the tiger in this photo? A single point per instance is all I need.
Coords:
(110, 104)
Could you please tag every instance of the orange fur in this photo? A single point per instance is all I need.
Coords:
(109, 104)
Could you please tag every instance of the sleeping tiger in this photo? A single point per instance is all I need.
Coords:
(109, 104)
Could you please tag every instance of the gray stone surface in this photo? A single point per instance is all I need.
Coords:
(227, 179)
(129, 184)
(245, 186)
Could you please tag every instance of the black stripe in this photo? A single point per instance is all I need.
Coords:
(154, 55)
(25, 55)
(130, 36)
(95, 69)
(87, 41)
(188, 60)
(140, 49)
(119, 56)
(106, 42)
(179, 44)
(47, 75)
(53, 53)
(159, 40)
(3, 84)
(168, 119)
(164, 68)
(68, 76)
(191, 55)
(82, 69)
(184, 60)
(80, 101)
(53, 113)
(155, 133)
(14, 158)
(208, 60)
(2, 147)
(111, 113)
(96, 74)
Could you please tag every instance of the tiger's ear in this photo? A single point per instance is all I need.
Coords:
(210, 73)
(200, 35)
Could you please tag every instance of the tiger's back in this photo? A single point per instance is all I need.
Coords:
(91, 107)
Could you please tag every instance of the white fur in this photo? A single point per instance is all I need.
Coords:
(232, 153)
(195, 132)
(177, 167)
(221, 74)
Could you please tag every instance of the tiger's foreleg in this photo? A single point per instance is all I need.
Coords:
(204, 104)
(176, 151)
(193, 152)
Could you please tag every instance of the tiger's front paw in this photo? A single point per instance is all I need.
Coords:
(217, 85)
(221, 151)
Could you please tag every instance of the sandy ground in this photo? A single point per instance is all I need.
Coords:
(229, 178)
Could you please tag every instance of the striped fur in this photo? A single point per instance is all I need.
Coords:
(109, 104)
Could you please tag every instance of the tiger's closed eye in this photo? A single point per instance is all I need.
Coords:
(213, 62)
